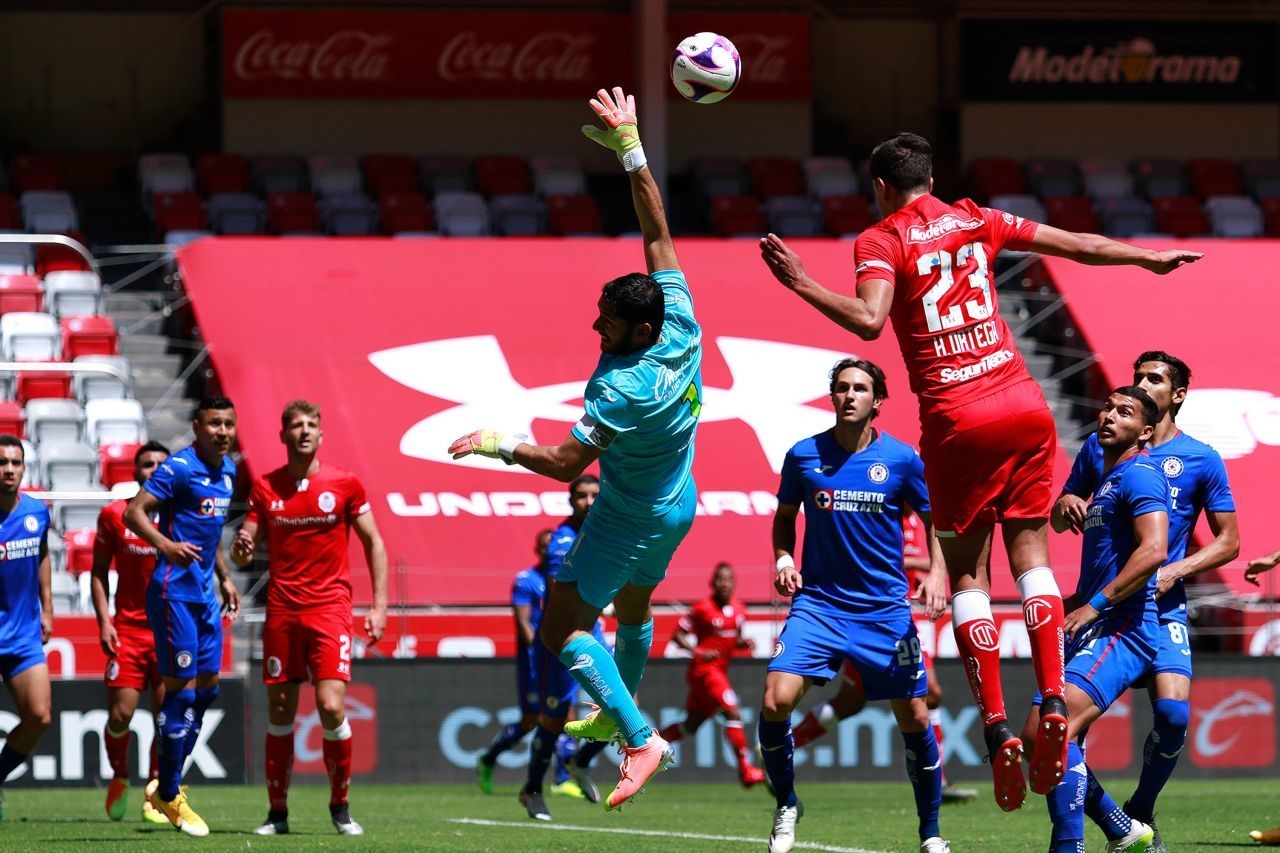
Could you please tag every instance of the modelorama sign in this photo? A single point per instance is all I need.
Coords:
(1034, 60)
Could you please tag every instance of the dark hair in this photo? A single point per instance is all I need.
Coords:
(218, 402)
(583, 479)
(150, 447)
(904, 161)
(637, 298)
(723, 564)
(1179, 373)
(879, 388)
(10, 440)
(298, 407)
(1150, 412)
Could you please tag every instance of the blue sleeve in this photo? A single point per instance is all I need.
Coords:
(166, 480)
(917, 493)
(523, 592)
(791, 487)
(608, 413)
(1147, 490)
(1217, 490)
(677, 299)
(558, 548)
(1083, 479)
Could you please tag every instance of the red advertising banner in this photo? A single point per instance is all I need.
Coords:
(502, 55)
(74, 650)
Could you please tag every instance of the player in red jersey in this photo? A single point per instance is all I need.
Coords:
(711, 631)
(307, 510)
(987, 436)
(126, 639)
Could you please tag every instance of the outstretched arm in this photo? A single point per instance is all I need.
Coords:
(864, 314)
(1096, 250)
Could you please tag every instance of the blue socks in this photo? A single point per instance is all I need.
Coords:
(778, 747)
(541, 751)
(924, 769)
(1103, 810)
(176, 715)
(204, 698)
(1160, 754)
(631, 652)
(507, 738)
(1066, 804)
(593, 667)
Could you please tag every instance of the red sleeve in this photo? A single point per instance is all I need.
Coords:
(257, 500)
(357, 502)
(104, 543)
(1009, 231)
(877, 254)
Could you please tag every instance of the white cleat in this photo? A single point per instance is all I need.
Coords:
(346, 824)
(273, 827)
(1138, 840)
(935, 845)
(783, 837)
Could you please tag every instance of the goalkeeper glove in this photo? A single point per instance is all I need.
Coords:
(621, 136)
(489, 443)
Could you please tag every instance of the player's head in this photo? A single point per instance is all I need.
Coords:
(723, 582)
(13, 464)
(540, 543)
(901, 167)
(582, 494)
(1165, 377)
(858, 389)
(214, 425)
(631, 311)
(147, 459)
(1128, 419)
(300, 427)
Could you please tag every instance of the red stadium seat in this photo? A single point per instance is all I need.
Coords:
(88, 336)
(1072, 213)
(1180, 216)
(573, 214)
(44, 385)
(51, 256)
(847, 214)
(775, 176)
(11, 420)
(1271, 210)
(292, 213)
(117, 462)
(1210, 177)
(10, 216)
(222, 173)
(501, 174)
(406, 211)
(997, 176)
(178, 212)
(735, 215)
(35, 172)
(20, 293)
(389, 173)
(79, 548)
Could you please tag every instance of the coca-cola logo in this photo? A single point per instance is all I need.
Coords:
(548, 56)
(768, 55)
(1233, 722)
(344, 55)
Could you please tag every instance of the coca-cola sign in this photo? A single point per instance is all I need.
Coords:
(387, 54)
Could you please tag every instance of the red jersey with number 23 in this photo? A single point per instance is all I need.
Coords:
(134, 561)
(716, 629)
(308, 524)
(939, 258)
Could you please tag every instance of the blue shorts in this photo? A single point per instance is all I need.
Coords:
(816, 640)
(15, 661)
(188, 636)
(1174, 653)
(1111, 655)
(614, 549)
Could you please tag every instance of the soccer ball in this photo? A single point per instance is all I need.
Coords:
(705, 68)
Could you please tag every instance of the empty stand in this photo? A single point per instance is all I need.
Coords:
(43, 384)
(279, 174)
(502, 174)
(236, 213)
(20, 292)
(79, 549)
(292, 213)
(48, 212)
(517, 215)
(36, 171)
(1211, 176)
(407, 211)
(115, 421)
(847, 214)
(90, 386)
(1180, 216)
(992, 176)
(557, 176)
(334, 174)
(445, 173)
(88, 336)
(1072, 213)
(72, 293)
(29, 336)
(827, 176)
(389, 173)
(462, 214)
(178, 212)
(794, 216)
(349, 214)
(577, 214)
(222, 173)
(776, 176)
(737, 216)
(165, 173)
(115, 462)
(51, 422)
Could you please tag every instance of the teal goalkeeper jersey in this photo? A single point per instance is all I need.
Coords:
(642, 409)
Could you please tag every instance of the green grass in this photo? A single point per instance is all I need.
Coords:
(1199, 815)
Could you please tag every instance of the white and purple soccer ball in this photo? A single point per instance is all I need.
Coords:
(705, 68)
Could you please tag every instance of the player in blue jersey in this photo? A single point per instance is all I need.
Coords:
(642, 405)
(850, 601)
(26, 609)
(1112, 628)
(190, 492)
(1197, 483)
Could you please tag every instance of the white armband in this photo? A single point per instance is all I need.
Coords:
(507, 446)
(634, 160)
(784, 562)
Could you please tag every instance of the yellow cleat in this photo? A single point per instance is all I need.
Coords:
(180, 813)
(151, 814)
(115, 805)
(595, 726)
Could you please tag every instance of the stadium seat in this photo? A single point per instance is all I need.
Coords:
(222, 173)
(278, 173)
(576, 214)
(1072, 213)
(334, 174)
(1160, 178)
(444, 173)
(776, 176)
(737, 215)
(20, 292)
(405, 211)
(992, 176)
(236, 213)
(12, 421)
(1271, 213)
(52, 422)
(1181, 216)
(717, 176)
(29, 336)
(72, 293)
(48, 212)
(10, 215)
(1262, 178)
(828, 176)
(115, 422)
(178, 212)
(794, 216)
(292, 213)
(389, 173)
(1106, 179)
(1051, 177)
(115, 462)
(517, 215)
(461, 214)
(1026, 206)
(19, 258)
(42, 385)
(79, 515)
(183, 237)
(68, 466)
(551, 177)
(51, 257)
(30, 476)
(65, 592)
(88, 336)
(847, 214)
(35, 172)
(165, 173)
(1210, 177)
(87, 386)
(79, 549)
(502, 174)
(1125, 217)
(349, 214)
(1235, 216)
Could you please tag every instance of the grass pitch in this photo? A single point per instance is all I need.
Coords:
(864, 817)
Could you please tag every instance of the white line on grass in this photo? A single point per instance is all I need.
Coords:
(695, 836)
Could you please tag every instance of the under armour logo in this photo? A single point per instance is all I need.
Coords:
(474, 373)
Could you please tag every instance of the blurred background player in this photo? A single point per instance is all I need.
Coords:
(26, 610)
(711, 632)
(1112, 631)
(987, 435)
(190, 493)
(850, 603)
(851, 698)
(1197, 483)
(642, 404)
(307, 509)
(126, 638)
(1260, 566)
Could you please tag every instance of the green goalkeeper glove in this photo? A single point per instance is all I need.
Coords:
(621, 136)
(489, 443)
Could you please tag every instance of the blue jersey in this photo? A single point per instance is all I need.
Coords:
(852, 557)
(194, 507)
(22, 532)
(1133, 488)
(1197, 482)
(530, 590)
(643, 409)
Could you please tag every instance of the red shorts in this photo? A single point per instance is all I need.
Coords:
(709, 691)
(298, 644)
(134, 665)
(849, 672)
(989, 460)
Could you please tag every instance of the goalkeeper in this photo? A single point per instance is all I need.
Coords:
(642, 405)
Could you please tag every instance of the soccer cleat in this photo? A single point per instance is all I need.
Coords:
(1049, 755)
(640, 765)
(935, 845)
(343, 821)
(1266, 837)
(115, 805)
(1157, 842)
(277, 823)
(484, 775)
(582, 775)
(1004, 751)
(568, 788)
(150, 813)
(953, 794)
(180, 813)
(750, 776)
(595, 726)
(1137, 841)
(783, 837)
(534, 804)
